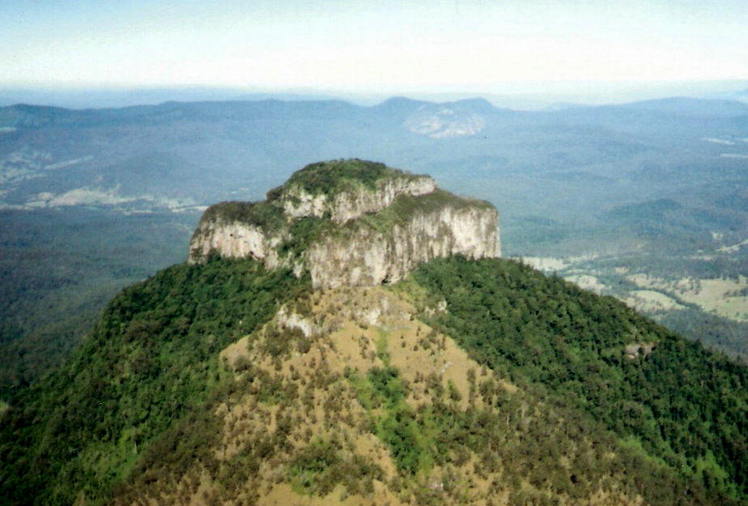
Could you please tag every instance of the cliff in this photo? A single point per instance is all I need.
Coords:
(349, 223)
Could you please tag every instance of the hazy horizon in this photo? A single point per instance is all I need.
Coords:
(394, 47)
(535, 95)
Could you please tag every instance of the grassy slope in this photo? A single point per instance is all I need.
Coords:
(385, 410)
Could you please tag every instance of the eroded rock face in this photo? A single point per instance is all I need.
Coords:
(445, 123)
(370, 257)
(362, 235)
(349, 205)
(234, 239)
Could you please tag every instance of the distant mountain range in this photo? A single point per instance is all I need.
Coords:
(116, 192)
(177, 155)
(524, 96)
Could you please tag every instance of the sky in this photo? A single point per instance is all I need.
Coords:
(365, 46)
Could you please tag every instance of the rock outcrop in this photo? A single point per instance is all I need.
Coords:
(350, 204)
(369, 257)
(349, 223)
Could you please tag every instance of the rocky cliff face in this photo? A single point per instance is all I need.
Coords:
(349, 223)
(234, 239)
(370, 257)
(350, 204)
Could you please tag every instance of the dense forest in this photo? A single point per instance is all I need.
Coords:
(59, 268)
(678, 402)
(150, 360)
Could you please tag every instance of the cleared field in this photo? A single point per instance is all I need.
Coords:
(724, 297)
(651, 301)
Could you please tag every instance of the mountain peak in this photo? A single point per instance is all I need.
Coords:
(478, 104)
(349, 223)
(330, 179)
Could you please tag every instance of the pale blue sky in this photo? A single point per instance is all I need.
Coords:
(390, 45)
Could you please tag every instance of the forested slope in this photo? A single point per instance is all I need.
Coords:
(563, 397)
(150, 360)
(681, 404)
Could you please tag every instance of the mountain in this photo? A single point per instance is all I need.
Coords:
(696, 107)
(738, 95)
(242, 377)
(93, 200)
(123, 97)
(49, 153)
(349, 223)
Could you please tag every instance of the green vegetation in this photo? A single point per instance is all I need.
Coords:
(150, 362)
(303, 232)
(135, 408)
(712, 331)
(539, 451)
(260, 214)
(684, 406)
(309, 467)
(60, 269)
(405, 207)
(382, 393)
(320, 466)
(338, 175)
(675, 273)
